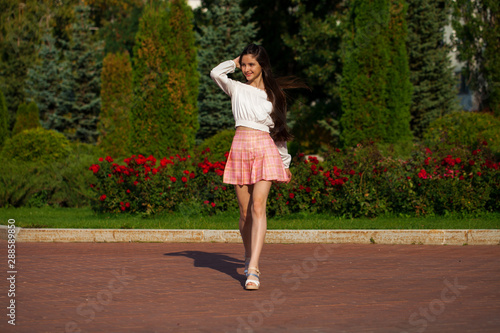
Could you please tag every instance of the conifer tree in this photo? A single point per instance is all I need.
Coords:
(165, 80)
(27, 117)
(366, 58)
(225, 31)
(434, 91)
(398, 77)
(4, 120)
(43, 79)
(116, 96)
(79, 100)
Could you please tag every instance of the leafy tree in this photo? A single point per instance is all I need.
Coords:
(43, 79)
(366, 59)
(79, 101)
(434, 92)
(223, 32)
(477, 40)
(165, 80)
(27, 117)
(116, 96)
(4, 120)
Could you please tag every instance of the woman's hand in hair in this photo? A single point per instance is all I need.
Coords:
(237, 62)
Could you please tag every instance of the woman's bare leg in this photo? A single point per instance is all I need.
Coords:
(259, 221)
(244, 195)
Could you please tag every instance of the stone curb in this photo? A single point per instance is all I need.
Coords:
(427, 237)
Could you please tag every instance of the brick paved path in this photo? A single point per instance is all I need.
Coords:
(161, 287)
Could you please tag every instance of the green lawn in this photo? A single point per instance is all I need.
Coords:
(48, 217)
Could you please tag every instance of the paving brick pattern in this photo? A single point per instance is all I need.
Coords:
(182, 287)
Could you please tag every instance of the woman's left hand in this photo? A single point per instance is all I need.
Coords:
(289, 175)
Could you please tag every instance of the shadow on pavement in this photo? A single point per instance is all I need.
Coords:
(217, 261)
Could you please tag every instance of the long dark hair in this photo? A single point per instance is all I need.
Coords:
(275, 91)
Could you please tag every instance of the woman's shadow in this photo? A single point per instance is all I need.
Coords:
(218, 261)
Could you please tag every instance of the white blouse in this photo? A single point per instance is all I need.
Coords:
(250, 105)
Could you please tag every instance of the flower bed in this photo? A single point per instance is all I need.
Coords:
(352, 183)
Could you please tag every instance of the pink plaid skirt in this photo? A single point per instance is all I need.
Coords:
(253, 157)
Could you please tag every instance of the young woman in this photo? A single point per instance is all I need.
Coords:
(259, 152)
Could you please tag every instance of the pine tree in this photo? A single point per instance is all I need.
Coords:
(4, 120)
(224, 33)
(398, 77)
(43, 79)
(116, 97)
(434, 91)
(164, 114)
(27, 117)
(363, 88)
(477, 40)
(79, 100)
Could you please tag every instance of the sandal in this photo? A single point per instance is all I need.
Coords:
(247, 262)
(252, 284)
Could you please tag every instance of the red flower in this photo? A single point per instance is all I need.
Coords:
(101, 159)
(192, 175)
(186, 172)
(224, 188)
(127, 204)
(423, 174)
(352, 172)
(102, 197)
(184, 179)
(173, 179)
(109, 159)
(292, 195)
(474, 152)
(135, 183)
(479, 173)
(287, 202)
(122, 208)
(313, 201)
(308, 189)
(128, 191)
(485, 143)
(206, 202)
(471, 162)
(92, 185)
(95, 168)
(213, 204)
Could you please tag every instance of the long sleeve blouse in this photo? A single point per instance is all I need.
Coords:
(250, 105)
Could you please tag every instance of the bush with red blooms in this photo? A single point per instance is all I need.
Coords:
(356, 182)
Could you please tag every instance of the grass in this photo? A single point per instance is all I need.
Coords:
(48, 217)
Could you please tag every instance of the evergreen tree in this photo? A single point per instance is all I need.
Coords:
(43, 79)
(398, 76)
(27, 117)
(366, 59)
(116, 96)
(79, 101)
(434, 91)
(164, 114)
(478, 32)
(224, 33)
(4, 120)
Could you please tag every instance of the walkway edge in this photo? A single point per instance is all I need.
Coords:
(427, 237)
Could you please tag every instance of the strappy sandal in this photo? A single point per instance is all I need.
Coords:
(252, 284)
(247, 262)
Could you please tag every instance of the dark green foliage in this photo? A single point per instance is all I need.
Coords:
(165, 80)
(27, 117)
(470, 129)
(434, 91)
(43, 79)
(116, 97)
(218, 145)
(79, 101)
(37, 145)
(222, 34)
(366, 59)
(477, 40)
(398, 77)
(4, 120)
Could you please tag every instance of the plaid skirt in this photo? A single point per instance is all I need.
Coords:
(253, 157)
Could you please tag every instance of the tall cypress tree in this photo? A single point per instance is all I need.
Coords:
(366, 58)
(434, 91)
(225, 31)
(398, 76)
(4, 120)
(116, 96)
(79, 100)
(43, 79)
(164, 114)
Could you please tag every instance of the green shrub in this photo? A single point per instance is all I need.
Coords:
(469, 129)
(37, 145)
(218, 145)
(4, 120)
(27, 117)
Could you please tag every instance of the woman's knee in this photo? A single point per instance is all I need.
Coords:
(259, 208)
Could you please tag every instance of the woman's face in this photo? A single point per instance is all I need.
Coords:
(250, 67)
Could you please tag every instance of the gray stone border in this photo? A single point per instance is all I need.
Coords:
(405, 236)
